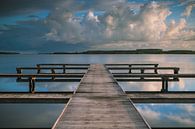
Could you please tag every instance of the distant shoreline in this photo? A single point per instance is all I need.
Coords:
(9, 53)
(137, 51)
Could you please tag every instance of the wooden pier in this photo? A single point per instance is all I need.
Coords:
(100, 103)
(159, 97)
(64, 97)
(35, 98)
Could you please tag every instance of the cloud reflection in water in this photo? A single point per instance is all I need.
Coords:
(168, 115)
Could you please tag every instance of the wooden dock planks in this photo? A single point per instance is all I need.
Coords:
(159, 97)
(35, 98)
(136, 97)
(100, 103)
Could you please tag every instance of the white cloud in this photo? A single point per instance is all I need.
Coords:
(179, 85)
(182, 84)
(165, 44)
(118, 24)
(174, 29)
(149, 113)
(91, 17)
(189, 108)
(188, 10)
(63, 27)
(153, 86)
(181, 120)
(141, 86)
(185, 118)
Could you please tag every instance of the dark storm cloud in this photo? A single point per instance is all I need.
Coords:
(53, 25)
(19, 40)
(14, 7)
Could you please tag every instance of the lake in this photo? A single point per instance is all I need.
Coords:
(44, 115)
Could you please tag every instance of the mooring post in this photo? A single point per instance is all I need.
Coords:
(130, 68)
(164, 84)
(38, 69)
(32, 84)
(64, 68)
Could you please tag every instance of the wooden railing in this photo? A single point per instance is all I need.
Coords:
(62, 66)
(50, 76)
(142, 76)
(165, 78)
(32, 78)
(141, 68)
(149, 65)
(54, 69)
(63, 76)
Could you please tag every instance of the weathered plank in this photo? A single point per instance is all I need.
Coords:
(153, 65)
(48, 68)
(51, 80)
(63, 64)
(99, 103)
(136, 97)
(157, 97)
(35, 98)
(145, 68)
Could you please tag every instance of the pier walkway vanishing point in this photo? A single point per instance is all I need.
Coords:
(100, 103)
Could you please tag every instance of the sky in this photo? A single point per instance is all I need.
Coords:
(80, 25)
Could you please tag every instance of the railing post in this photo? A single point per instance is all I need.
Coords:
(32, 84)
(64, 68)
(53, 72)
(176, 71)
(142, 72)
(130, 68)
(155, 69)
(164, 84)
(19, 71)
(38, 69)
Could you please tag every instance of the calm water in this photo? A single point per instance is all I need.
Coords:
(29, 115)
(168, 115)
(161, 115)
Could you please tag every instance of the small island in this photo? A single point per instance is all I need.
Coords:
(137, 51)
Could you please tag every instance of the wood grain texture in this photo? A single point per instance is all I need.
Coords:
(100, 103)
